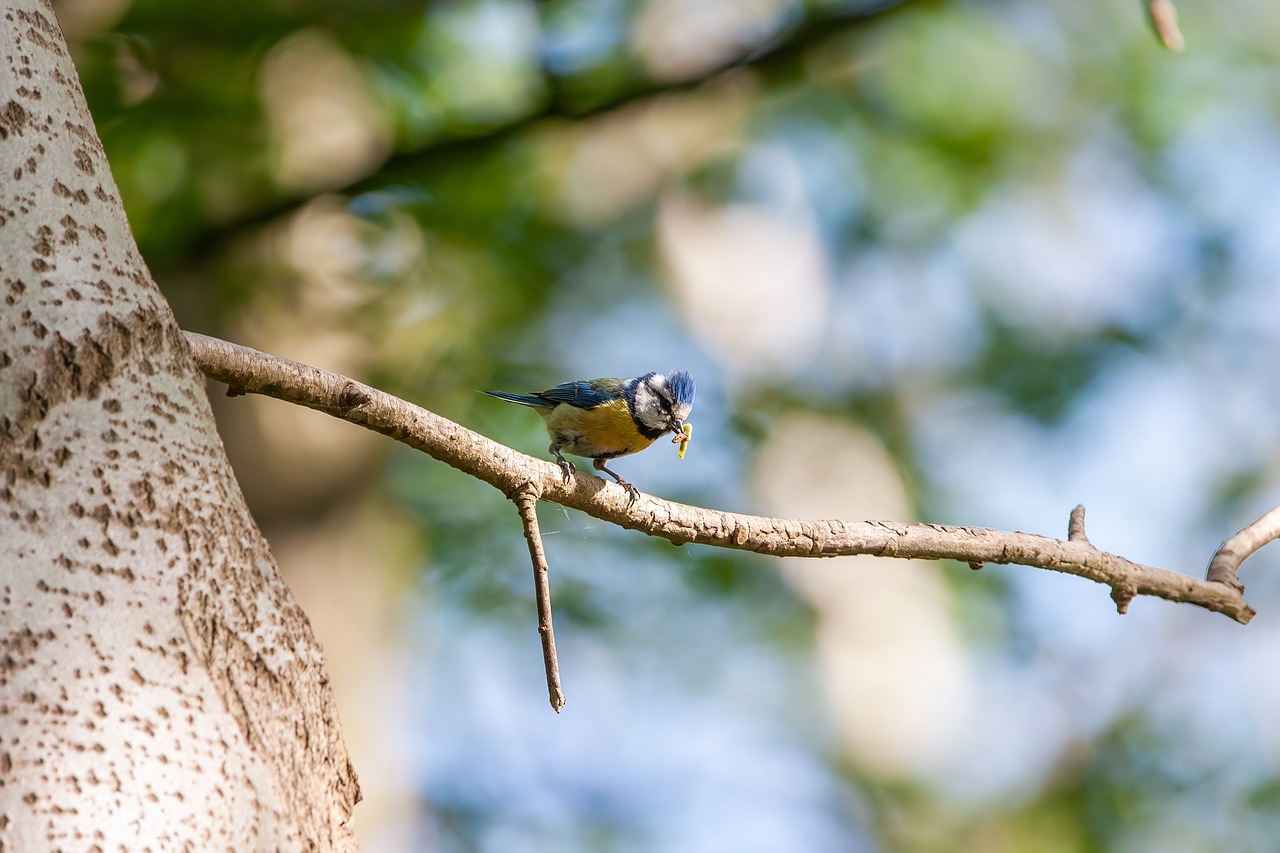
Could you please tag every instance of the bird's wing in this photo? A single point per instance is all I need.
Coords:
(583, 395)
(523, 399)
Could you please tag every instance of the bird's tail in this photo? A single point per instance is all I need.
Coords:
(522, 399)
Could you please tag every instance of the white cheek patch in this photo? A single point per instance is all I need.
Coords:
(649, 407)
(645, 399)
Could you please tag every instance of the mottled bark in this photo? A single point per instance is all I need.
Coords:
(159, 687)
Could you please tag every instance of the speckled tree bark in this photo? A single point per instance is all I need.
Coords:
(159, 687)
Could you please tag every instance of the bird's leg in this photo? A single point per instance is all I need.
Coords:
(600, 466)
(566, 467)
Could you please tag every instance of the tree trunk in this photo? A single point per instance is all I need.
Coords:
(159, 686)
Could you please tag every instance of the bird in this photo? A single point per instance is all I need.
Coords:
(602, 419)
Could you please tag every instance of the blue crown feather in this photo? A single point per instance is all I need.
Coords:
(681, 385)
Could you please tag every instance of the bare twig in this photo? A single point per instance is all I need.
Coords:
(1164, 20)
(1122, 593)
(1235, 550)
(526, 500)
(1075, 526)
(507, 470)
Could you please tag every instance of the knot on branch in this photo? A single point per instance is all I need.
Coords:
(1236, 549)
(351, 396)
(1123, 593)
(1222, 569)
(526, 493)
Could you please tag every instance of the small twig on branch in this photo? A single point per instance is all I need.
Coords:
(507, 469)
(526, 500)
(1164, 20)
(1235, 550)
(1121, 593)
(1075, 526)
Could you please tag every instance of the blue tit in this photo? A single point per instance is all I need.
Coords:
(603, 419)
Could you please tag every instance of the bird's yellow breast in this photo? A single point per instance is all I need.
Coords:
(600, 433)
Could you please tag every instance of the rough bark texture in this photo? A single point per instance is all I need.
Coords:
(159, 687)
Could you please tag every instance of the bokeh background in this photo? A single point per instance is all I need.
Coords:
(966, 262)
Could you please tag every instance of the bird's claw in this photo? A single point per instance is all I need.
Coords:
(567, 468)
(631, 490)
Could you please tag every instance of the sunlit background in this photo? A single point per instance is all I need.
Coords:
(965, 262)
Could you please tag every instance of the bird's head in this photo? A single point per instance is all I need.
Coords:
(662, 403)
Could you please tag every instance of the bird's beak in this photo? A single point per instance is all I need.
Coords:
(678, 428)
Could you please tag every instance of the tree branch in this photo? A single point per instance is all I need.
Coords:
(1236, 549)
(526, 500)
(249, 371)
